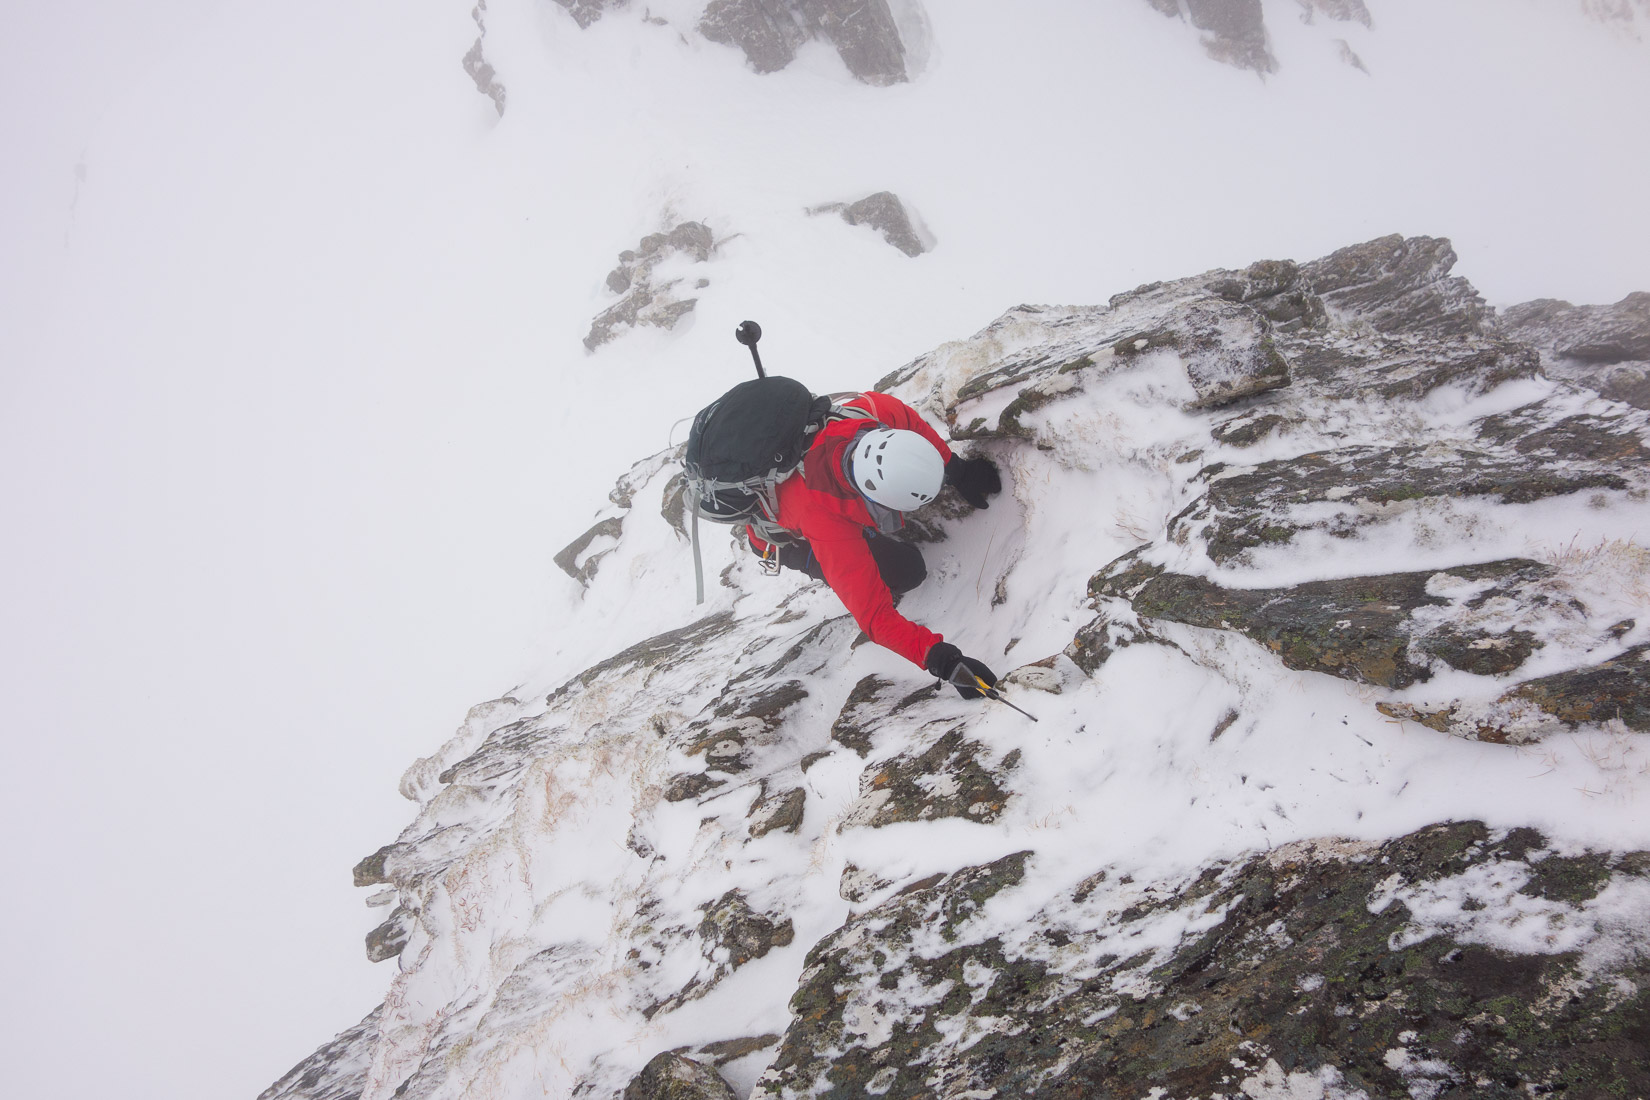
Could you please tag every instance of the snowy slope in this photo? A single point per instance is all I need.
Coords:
(296, 410)
(657, 852)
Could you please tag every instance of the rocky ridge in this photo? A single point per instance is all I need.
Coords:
(1271, 572)
(869, 35)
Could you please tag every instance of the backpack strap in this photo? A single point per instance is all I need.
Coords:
(698, 566)
(766, 490)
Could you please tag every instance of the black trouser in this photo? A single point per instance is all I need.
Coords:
(900, 563)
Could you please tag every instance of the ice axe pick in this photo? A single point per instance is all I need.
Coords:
(961, 675)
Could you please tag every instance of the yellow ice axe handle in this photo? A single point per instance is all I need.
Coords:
(988, 691)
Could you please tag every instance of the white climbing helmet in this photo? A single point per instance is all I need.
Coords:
(897, 469)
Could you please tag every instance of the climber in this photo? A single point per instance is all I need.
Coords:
(859, 476)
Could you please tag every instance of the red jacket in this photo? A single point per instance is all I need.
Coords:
(821, 507)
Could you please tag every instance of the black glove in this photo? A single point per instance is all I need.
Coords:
(975, 478)
(947, 662)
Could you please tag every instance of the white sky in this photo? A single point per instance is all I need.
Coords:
(293, 410)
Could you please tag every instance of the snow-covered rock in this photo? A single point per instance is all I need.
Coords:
(1298, 567)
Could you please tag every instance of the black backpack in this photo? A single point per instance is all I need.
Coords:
(742, 446)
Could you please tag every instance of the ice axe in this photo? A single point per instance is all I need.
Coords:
(960, 677)
(748, 333)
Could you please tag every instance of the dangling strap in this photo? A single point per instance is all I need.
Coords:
(698, 567)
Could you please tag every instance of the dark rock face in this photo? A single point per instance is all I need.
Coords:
(864, 33)
(850, 726)
(675, 1077)
(1603, 346)
(574, 558)
(1618, 688)
(644, 302)
(370, 871)
(1321, 965)
(768, 33)
(386, 941)
(780, 812)
(949, 778)
(478, 67)
(739, 718)
(732, 934)
(1384, 630)
(691, 785)
(885, 213)
(1399, 284)
(1234, 32)
(586, 12)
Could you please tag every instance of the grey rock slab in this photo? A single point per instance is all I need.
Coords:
(731, 934)
(371, 871)
(386, 941)
(1314, 956)
(1618, 688)
(1246, 508)
(586, 12)
(864, 33)
(766, 31)
(1227, 349)
(671, 1076)
(572, 560)
(1592, 334)
(780, 812)
(1234, 33)
(885, 212)
(1400, 284)
(1387, 630)
(645, 300)
(951, 777)
(1606, 348)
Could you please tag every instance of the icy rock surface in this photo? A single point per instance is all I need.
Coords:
(478, 67)
(1302, 567)
(674, 1077)
(888, 215)
(1233, 31)
(1323, 957)
(1606, 346)
(649, 280)
(865, 33)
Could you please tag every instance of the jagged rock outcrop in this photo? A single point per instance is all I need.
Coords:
(478, 67)
(864, 33)
(1606, 347)
(586, 12)
(676, 1077)
(889, 216)
(1276, 544)
(644, 300)
(1234, 31)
